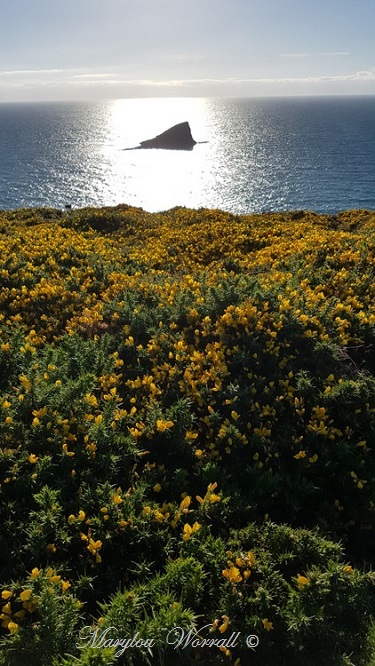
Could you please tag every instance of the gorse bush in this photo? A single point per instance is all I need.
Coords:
(187, 423)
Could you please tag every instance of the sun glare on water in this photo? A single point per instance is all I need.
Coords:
(154, 178)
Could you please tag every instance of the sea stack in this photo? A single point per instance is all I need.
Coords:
(177, 137)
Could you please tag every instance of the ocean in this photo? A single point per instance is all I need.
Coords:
(256, 155)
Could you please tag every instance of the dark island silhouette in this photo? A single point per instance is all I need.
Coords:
(178, 137)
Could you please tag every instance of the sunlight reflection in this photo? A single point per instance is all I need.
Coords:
(156, 179)
(134, 120)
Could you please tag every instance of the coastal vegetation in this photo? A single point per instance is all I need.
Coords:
(187, 434)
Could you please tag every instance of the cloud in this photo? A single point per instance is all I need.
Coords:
(363, 75)
(334, 54)
(324, 54)
(29, 72)
(105, 75)
(73, 82)
(295, 55)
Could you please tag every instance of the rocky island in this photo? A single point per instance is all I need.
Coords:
(178, 137)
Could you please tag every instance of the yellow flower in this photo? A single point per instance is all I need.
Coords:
(66, 451)
(26, 594)
(81, 515)
(209, 496)
(250, 558)
(222, 648)
(223, 627)
(320, 412)
(94, 546)
(35, 573)
(40, 412)
(302, 581)
(189, 530)
(6, 594)
(161, 425)
(65, 585)
(123, 523)
(184, 505)
(157, 488)
(232, 574)
(7, 608)
(25, 382)
(190, 435)
(117, 499)
(91, 399)
(13, 627)
(51, 548)
(267, 624)
(33, 459)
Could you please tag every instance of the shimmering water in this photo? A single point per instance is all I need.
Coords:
(261, 154)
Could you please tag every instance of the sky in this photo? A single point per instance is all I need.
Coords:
(113, 49)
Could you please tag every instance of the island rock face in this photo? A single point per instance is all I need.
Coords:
(177, 137)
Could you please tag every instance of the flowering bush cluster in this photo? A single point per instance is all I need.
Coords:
(187, 418)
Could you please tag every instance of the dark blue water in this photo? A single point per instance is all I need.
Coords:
(261, 154)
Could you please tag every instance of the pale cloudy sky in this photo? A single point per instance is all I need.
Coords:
(95, 49)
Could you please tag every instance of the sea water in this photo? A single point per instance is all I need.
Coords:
(269, 154)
